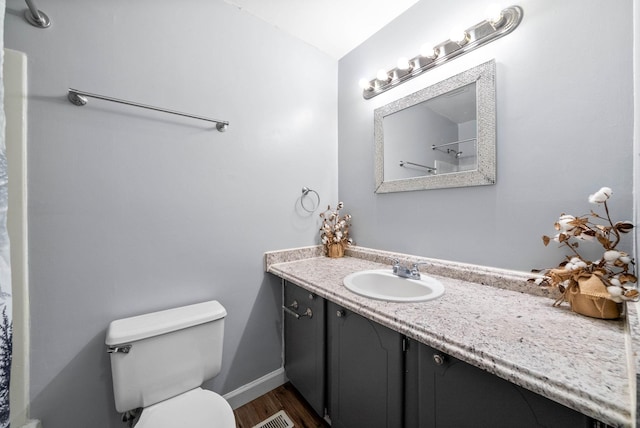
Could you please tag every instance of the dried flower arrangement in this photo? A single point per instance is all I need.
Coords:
(593, 288)
(335, 231)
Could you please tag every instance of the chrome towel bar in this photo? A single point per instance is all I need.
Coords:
(79, 98)
(36, 17)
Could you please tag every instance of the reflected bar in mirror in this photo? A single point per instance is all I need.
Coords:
(429, 168)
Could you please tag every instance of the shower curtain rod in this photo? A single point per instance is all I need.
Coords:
(79, 98)
(433, 146)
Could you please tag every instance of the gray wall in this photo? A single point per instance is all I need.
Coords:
(133, 211)
(565, 120)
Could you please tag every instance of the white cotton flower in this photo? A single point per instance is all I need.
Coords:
(538, 281)
(625, 259)
(615, 281)
(575, 263)
(611, 256)
(615, 291)
(585, 237)
(564, 222)
(601, 195)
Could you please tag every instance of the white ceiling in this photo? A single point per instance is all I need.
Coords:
(333, 26)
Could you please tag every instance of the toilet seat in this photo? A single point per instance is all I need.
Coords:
(197, 408)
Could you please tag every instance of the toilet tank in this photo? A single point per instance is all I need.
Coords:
(163, 354)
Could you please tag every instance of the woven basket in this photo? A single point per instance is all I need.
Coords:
(595, 307)
(335, 250)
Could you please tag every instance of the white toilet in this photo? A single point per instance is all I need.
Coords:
(158, 362)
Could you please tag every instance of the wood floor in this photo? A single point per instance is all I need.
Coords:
(285, 398)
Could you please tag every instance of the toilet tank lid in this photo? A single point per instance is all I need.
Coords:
(156, 323)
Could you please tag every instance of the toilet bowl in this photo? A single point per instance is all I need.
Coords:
(159, 362)
(195, 408)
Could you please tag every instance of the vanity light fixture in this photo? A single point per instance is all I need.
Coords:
(497, 24)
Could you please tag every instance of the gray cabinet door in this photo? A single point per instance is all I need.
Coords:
(454, 394)
(365, 372)
(305, 351)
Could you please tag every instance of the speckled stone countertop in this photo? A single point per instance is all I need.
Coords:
(493, 319)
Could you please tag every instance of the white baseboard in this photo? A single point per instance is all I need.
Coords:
(32, 424)
(255, 389)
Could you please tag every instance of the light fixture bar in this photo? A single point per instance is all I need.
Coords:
(473, 37)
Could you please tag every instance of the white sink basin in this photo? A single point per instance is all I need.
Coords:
(382, 284)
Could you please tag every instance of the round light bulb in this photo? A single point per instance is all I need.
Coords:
(427, 50)
(458, 35)
(403, 63)
(493, 14)
(382, 75)
(364, 83)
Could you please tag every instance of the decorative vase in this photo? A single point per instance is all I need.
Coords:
(335, 250)
(595, 307)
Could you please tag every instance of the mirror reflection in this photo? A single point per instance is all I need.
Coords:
(437, 136)
(441, 136)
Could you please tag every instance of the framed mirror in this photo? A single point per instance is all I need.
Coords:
(441, 136)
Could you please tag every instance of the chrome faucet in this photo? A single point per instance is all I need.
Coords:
(405, 272)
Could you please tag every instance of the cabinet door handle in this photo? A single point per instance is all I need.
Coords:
(294, 304)
(341, 313)
(307, 313)
(438, 359)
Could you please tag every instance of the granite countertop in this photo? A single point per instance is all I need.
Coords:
(493, 319)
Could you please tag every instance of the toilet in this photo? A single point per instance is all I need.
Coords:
(159, 362)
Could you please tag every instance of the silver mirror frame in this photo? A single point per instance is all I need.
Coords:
(485, 174)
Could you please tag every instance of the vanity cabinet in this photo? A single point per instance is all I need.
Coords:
(305, 352)
(442, 391)
(362, 374)
(342, 362)
(365, 371)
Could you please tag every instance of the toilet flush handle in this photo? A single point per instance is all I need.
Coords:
(113, 349)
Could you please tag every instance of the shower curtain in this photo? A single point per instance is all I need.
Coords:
(6, 328)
